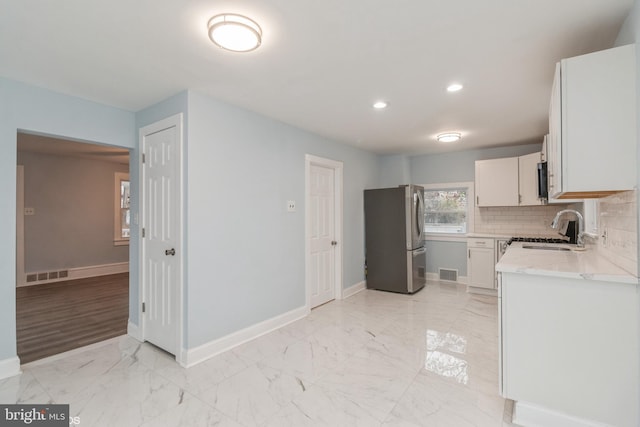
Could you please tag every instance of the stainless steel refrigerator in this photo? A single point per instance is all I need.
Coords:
(394, 233)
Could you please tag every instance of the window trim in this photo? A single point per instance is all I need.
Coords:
(118, 240)
(471, 208)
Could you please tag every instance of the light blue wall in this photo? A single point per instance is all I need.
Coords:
(456, 167)
(24, 107)
(450, 255)
(460, 166)
(394, 170)
(246, 253)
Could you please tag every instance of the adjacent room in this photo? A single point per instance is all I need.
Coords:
(72, 245)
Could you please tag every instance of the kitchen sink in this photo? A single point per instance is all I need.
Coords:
(546, 248)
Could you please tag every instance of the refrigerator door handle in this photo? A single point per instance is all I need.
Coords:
(420, 215)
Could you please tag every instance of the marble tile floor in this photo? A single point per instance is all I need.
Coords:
(374, 359)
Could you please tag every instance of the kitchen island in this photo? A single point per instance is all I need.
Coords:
(568, 338)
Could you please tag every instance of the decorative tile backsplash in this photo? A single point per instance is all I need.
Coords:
(517, 220)
(617, 225)
(618, 230)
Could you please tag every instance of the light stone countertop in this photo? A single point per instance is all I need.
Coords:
(572, 264)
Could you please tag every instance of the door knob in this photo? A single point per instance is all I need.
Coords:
(333, 243)
(171, 252)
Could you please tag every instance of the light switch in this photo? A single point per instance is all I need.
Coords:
(291, 206)
(29, 211)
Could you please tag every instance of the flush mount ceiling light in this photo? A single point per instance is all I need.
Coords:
(379, 105)
(449, 137)
(454, 87)
(235, 32)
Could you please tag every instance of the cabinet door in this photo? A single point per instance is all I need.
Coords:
(528, 179)
(554, 152)
(593, 124)
(497, 182)
(480, 267)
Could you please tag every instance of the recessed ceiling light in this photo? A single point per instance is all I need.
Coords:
(379, 105)
(454, 87)
(235, 32)
(449, 137)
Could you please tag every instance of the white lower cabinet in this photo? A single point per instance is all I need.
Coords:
(569, 350)
(481, 261)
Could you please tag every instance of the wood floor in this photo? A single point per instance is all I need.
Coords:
(57, 317)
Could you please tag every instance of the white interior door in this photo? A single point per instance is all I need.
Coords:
(323, 267)
(161, 238)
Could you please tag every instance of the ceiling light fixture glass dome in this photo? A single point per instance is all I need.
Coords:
(449, 137)
(235, 32)
(379, 105)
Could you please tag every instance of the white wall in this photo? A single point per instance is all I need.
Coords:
(37, 110)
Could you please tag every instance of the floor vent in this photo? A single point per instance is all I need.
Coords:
(47, 276)
(448, 275)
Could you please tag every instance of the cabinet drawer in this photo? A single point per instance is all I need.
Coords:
(475, 242)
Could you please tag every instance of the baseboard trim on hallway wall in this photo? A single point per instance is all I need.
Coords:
(193, 356)
(9, 367)
(354, 289)
(134, 331)
(76, 273)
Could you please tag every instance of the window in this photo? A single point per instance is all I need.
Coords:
(122, 211)
(448, 208)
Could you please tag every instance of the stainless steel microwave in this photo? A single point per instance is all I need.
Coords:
(543, 188)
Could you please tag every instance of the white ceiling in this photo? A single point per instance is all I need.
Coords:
(322, 63)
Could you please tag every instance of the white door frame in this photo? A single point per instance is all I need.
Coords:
(177, 122)
(21, 277)
(338, 184)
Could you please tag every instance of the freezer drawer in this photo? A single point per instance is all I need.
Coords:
(416, 269)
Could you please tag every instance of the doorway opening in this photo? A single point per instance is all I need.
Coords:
(72, 260)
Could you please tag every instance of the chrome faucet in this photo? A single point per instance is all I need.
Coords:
(581, 233)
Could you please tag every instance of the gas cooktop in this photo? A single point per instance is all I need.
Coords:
(537, 240)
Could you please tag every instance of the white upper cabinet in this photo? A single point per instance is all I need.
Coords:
(511, 181)
(497, 182)
(592, 125)
(528, 179)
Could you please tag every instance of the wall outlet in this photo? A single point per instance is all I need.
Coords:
(29, 211)
(291, 206)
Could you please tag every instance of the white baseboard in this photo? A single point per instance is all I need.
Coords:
(80, 273)
(134, 331)
(528, 415)
(354, 289)
(206, 351)
(9, 367)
